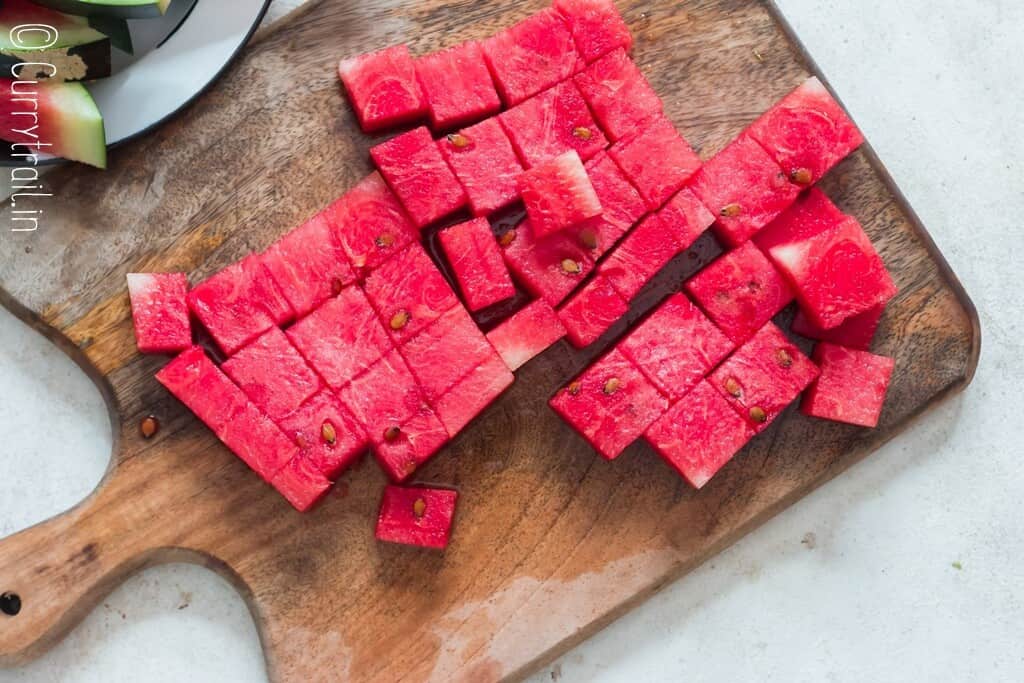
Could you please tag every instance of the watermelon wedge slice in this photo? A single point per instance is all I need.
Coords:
(558, 194)
(383, 88)
(69, 50)
(416, 516)
(484, 162)
(621, 207)
(856, 332)
(329, 435)
(475, 257)
(52, 118)
(657, 160)
(548, 268)
(618, 93)
(597, 27)
(526, 334)
(160, 311)
(457, 86)
(852, 385)
(592, 311)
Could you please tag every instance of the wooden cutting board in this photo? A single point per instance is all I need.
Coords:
(551, 541)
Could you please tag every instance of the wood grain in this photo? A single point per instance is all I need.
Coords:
(551, 541)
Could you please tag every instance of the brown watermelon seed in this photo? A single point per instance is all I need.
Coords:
(612, 385)
(458, 140)
(327, 432)
(399, 320)
(588, 238)
(582, 132)
(802, 176)
(733, 387)
(384, 240)
(571, 267)
(507, 238)
(573, 388)
(783, 358)
(758, 415)
(419, 507)
(149, 427)
(392, 433)
(731, 210)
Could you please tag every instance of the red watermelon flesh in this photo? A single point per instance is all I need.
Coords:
(851, 388)
(553, 123)
(383, 88)
(416, 516)
(413, 167)
(531, 56)
(610, 404)
(457, 86)
(764, 376)
(837, 274)
(619, 95)
(526, 334)
(475, 257)
(744, 188)
(807, 132)
(473, 393)
(591, 311)
(810, 215)
(558, 194)
(856, 332)
(657, 160)
(412, 443)
(329, 435)
(621, 206)
(548, 268)
(597, 27)
(160, 311)
(740, 291)
(483, 160)
(68, 120)
(699, 434)
(445, 352)
(383, 397)
(301, 483)
(676, 346)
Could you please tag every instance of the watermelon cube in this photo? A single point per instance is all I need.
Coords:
(558, 194)
(764, 376)
(856, 332)
(526, 334)
(341, 338)
(552, 123)
(457, 86)
(807, 132)
(384, 397)
(699, 434)
(657, 160)
(621, 206)
(408, 293)
(475, 257)
(160, 311)
(273, 374)
(610, 404)
(597, 27)
(811, 214)
(301, 483)
(676, 346)
(483, 160)
(473, 393)
(531, 56)
(744, 188)
(740, 291)
(401, 449)
(309, 265)
(548, 268)
(370, 224)
(416, 516)
(591, 311)
(851, 387)
(837, 274)
(619, 95)
(413, 167)
(329, 435)
(383, 88)
(445, 352)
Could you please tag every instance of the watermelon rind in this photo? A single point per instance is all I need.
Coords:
(126, 9)
(71, 50)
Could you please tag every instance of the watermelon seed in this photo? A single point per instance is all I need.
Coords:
(731, 210)
(582, 132)
(399, 320)
(507, 238)
(611, 386)
(392, 433)
(573, 388)
(327, 432)
(733, 387)
(802, 176)
(758, 414)
(588, 238)
(458, 140)
(10, 604)
(419, 507)
(149, 427)
(384, 240)
(570, 267)
(783, 358)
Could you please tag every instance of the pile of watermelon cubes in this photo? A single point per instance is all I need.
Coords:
(345, 335)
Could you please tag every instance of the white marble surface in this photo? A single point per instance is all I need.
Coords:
(908, 567)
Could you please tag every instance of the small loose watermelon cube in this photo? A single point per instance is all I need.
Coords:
(744, 188)
(764, 376)
(383, 88)
(413, 167)
(416, 516)
(273, 374)
(301, 483)
(160, 311)
(558, 194)
(526, 334)
(552, 123)
(597, 27)
(621, 206)
(676, 346)
(856, 332)
(384, 397)
(811, 214)
(699, 434)
(619, 95)
(473, 393)
(328, 434)
(740, 291)
(548, 268)
(531, 56)
(851, 387)
(483, 160)
(475, 257)
(457, 86)
(445, 352)
(837, 274)
(657, 160)
(402, 448)
(610, 404)
(807, 132)
(592, 311)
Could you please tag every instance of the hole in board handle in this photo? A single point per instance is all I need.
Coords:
(10, 604)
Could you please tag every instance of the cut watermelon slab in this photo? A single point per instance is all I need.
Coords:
(657, 160)
(531, 56)
(403, 448)
(413, 167)
(384, 397)
(553, 123)
(473, 393)
(416, 516)
(811, 214)
(699, 434)
(301, 483)
(160, 311)
(484, 162)
(558, 194)
(383, 88)
(619, 95)
(807, 132)
(548, 268)
(851, 387)
(621, 206)
(856, 332)
(610, 404)
(676, 346)
(457, 86)
(740, 291)
(526, 334)
(591, 311)
(445, 352)
(597, 27)
(67, 120)
(329, 435)
(474, 255)
(744, 188)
